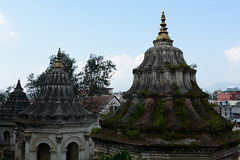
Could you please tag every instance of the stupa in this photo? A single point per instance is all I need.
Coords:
(166, 115)
(56, 125)
(16, 102)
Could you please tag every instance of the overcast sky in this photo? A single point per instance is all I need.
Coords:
(207, 31)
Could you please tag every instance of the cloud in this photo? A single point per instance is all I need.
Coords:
(3, 20)
(233, 54)
(12, 34)
(6, 34)
(80, 66)
(123, 77)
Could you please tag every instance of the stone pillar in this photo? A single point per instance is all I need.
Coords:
(86, 147)
(53, 155)
(17, 147)
(12, 138)
(27, 147)
(59, 152)
(91, 147)
(63, 155)
(81, 154)
(17, 153)
(33, 154)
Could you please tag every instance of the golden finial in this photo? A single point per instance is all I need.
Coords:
(163, 34)
(58, 62)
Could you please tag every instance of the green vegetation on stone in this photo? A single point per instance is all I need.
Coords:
(181, 110)
(121, 113)
(160, 122)
(135, 133)
(124, 155)
(137, 113)
(193, 93)
(143, 93)
(106, 116)
(95, 130)
(181, 65)
(214, 120)
(171, 135)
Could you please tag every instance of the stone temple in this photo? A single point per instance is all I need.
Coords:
(16, 102)
(55, 126)
(166, 115)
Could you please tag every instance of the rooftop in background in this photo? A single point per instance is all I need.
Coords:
(96, 104)
(231, 93)
(231, 89)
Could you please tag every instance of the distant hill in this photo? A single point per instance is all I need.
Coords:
(223, 86)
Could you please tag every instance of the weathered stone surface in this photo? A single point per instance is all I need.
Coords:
(163, 81)
(57, 103)
(163, 66)
(56, 125)
(16, 102)
(166, 113)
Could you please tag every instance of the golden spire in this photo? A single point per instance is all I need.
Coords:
(58, 62)
(163, 34)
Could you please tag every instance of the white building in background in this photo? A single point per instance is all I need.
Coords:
(229, 110)
(101, 105)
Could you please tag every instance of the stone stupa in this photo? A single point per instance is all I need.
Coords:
(56, 126)
(166, 115)
(16, 102)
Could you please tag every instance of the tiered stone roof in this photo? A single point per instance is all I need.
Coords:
(16, 103)
(165, 103)
(57, 103)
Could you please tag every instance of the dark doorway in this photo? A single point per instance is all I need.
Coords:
(6, 135)
(72, 151)
(23, 150)
(43, 152)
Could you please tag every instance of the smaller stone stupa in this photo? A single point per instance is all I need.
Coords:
(16, 102)
(166, 115)
(56, 125)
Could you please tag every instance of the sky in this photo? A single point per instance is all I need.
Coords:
(207, 32)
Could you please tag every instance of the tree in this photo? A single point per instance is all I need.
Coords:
(33, 84)
(5, 94)
(2, 97)
(96, 75)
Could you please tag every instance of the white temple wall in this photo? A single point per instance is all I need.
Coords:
(58, 141)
